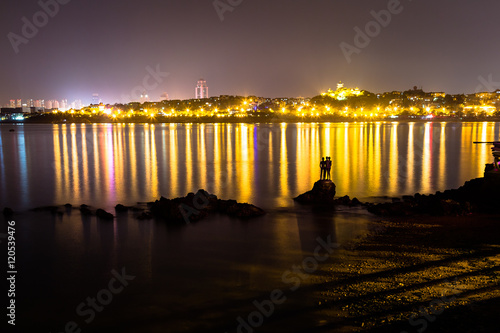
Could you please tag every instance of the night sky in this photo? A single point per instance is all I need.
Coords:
(272, 48)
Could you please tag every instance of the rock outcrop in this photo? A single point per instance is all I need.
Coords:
(322, 193)
(8, 212)
(102, 214)
(475, 196)
(194, 207)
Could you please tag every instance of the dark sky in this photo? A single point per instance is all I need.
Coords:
(263, 47)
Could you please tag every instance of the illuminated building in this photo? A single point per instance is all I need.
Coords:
(201, 90)
(77, 104)
(342, 93)
(64, 104)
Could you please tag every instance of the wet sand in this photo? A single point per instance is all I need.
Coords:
(421, 274)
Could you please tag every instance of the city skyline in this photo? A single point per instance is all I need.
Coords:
(201, 92)
(291, 50)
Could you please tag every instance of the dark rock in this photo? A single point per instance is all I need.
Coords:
(145, 216)
(391, 209)
(355, 202)
(85, 210)
(68, 205)
(408, 198)
(102, 214)
(345, 200)
(8, 212)
(121, 208)
(323, 192)
(245, 210)
(194, 207)
(52, 209)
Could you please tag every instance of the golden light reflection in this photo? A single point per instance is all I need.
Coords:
(190, 170)
(302, 152)
(410, 158)
(243, 160)
(377, 158)
(85, 159)
(315, 150)
(65, 171)
(442, 157)
(133, 160)
(283, 175)
(174, 156)
(75, 169)
(111, 165)
(118, 156)
(202, 149)
(95, 138)
(154, 165)
(426, 159)
(393, 159)
(57, 162)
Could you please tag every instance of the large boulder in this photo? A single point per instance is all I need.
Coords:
(104, 215)
(8, 212)
(194, 207)
(322, 192)
(245, 211)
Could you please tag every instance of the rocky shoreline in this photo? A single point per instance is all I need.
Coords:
(477, 196)
(191, 208)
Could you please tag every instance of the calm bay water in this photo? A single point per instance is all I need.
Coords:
(201, 277)
(265, 164)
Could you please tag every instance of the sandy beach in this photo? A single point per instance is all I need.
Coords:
(420, 274)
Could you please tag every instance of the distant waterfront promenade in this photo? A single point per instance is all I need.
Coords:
(65, 118)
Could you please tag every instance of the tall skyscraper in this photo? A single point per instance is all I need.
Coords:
(64, 105)
(201, 89)
(76, 104)
(12, 103)
(19, 103)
